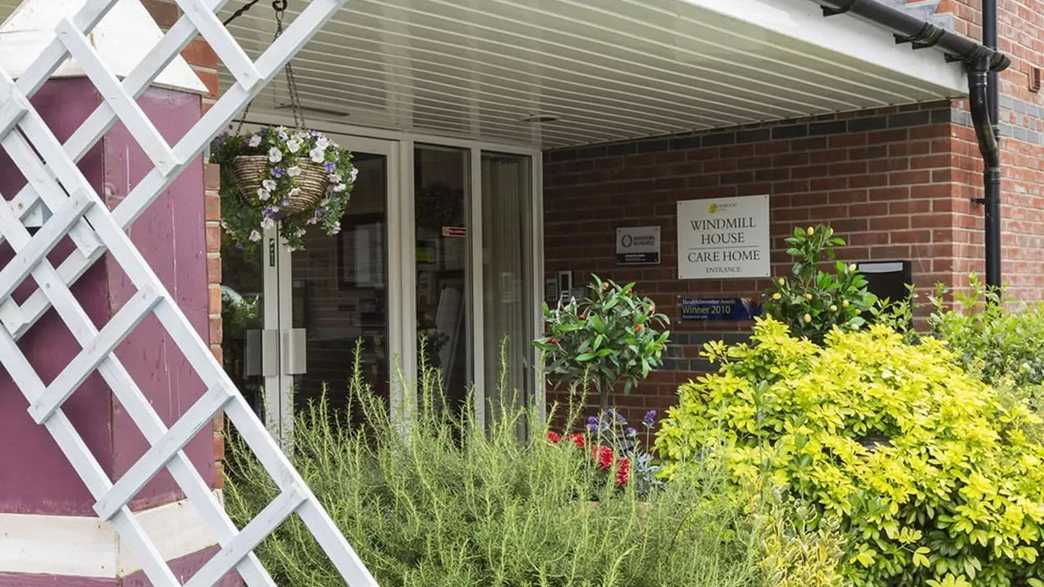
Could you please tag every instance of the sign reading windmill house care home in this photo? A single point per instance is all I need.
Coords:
(721, 238)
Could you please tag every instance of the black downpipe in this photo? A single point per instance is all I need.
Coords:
(978, 92)
(982, 62)
(992, 185)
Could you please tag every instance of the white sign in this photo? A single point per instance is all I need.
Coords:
(721, 238)
(638, 245)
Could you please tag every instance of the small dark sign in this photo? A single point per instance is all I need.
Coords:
(638, 245)
(718, 309)
(455, 231)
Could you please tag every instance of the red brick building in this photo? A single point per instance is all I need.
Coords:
(500, 146)
(898, 183)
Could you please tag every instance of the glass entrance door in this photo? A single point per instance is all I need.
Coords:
(434, 260)
(294, 319)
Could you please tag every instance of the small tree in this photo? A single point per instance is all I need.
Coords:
(812, 301)
(613, 335)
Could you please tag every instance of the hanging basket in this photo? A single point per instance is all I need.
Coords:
(250, 170)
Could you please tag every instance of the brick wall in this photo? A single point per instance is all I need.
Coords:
(1021, 36)
(896, 183)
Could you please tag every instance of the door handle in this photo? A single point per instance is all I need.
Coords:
(262, 353)
(295, 351)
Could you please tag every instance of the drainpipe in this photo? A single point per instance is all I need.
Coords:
(982, 62)
(992, 195)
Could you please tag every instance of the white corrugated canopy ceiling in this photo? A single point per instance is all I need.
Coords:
(607, 69)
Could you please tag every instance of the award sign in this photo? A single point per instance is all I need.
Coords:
(723, 238)
(638, 245)
(726, 309)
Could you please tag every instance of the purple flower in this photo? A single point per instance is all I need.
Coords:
(330, 166)
(631, 432)
(278, 172)
(650, 418)
(592, 423)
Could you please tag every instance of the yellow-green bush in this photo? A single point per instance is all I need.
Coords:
(931, 471)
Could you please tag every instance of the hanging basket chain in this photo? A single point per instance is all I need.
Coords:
(279, 6)
(240, 12)
(291, 80)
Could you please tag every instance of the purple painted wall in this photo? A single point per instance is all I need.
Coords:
(170, 235)
(34, 476)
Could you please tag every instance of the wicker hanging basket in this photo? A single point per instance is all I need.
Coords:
(250, 170)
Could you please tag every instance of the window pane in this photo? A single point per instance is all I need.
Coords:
(243, 319)
(442, 188)
(340, 294)
(506, 235)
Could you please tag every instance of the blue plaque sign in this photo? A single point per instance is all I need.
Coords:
(733, 309)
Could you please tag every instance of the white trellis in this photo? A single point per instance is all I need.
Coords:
(77, 211)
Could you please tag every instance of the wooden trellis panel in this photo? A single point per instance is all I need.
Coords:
(77, 211)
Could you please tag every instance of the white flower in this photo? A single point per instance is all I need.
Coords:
(335, 178)
(318, 155)
(281, 131)
(355, 174)
(293, 145)
(255, 140)
(322, 142)
(340, 187)
(255, 235)
(275, 155)
(336, 228)
(269, 184)
(294, 192)
(293, 171)
(299, 232)
(267, 223)
(263, 194)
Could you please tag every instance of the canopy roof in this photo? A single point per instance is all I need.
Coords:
(606, 70)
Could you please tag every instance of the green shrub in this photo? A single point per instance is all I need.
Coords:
(453, 504)
(812, 301)
(1002, 344)
(612, 336)
(932, 472)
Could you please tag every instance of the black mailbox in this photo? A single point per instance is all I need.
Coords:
(888, 279)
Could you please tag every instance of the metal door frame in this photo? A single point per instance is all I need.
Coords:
(278, 293)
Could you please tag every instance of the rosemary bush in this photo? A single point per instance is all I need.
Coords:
(454, 503)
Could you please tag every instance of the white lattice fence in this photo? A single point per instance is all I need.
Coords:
(77, 211)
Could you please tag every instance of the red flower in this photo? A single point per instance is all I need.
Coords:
(623, 472)
(577, 439)
(604, 456)
(553, 437)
